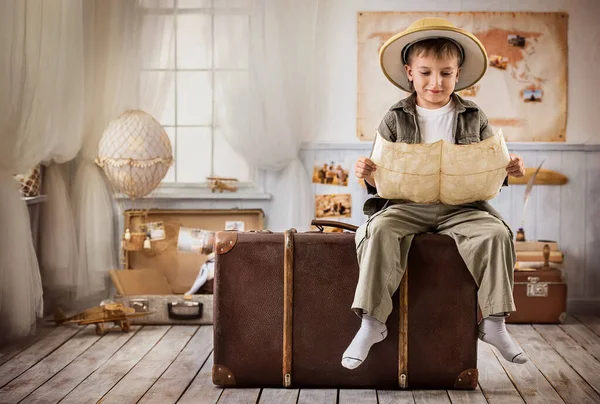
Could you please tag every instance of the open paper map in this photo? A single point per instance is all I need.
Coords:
(440, 171)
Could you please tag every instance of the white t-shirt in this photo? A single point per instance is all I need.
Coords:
(436, 124)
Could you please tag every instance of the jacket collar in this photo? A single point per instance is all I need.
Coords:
(409, 104)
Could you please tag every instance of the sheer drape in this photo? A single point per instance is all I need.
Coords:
(266, 113)
(41, 96)
(121, 38)
(67, 68)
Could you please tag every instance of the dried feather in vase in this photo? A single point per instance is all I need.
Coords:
(521, 231)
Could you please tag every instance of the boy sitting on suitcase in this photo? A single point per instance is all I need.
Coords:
(432, 59)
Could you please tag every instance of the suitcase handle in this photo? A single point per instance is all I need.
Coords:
(178, 316)
(320, 223)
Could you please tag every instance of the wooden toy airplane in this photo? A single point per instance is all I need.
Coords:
(109, 313)
(222, 184)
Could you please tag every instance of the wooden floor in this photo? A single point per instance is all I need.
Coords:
(162, 364)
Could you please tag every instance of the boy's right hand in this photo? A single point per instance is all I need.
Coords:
(365, 168)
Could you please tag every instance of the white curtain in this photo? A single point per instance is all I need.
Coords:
(267, 112)
(122, 38)
(41, 98)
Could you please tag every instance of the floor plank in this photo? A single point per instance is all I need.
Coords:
(202, 390)
(239, 396)
(357, 396)
(68, 378)
(582, 335)
(493, 380)
(529, 381)
(576, 356)
(395, 397)
(180, 373)
(107, 375)
(279, 396)
(36, 375)
(571, 387)
(10, 350)
(317, 396)
(147, 371)
(14, 367)
(431, 397)
(467, 396)
(590, 321)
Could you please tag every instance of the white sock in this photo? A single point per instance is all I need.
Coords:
(493, 331)
(371, 331)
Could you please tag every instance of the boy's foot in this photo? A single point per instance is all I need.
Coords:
(371, 332)
(492, 330)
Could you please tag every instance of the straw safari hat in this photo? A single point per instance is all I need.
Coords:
(392, 53)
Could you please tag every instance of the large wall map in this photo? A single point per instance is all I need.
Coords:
(524, 90)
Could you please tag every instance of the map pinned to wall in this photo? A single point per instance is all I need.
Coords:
(524, 90)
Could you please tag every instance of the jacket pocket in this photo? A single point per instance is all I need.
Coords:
(467, 139)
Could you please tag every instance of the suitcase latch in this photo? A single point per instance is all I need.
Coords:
(536, 289)
(139, 305)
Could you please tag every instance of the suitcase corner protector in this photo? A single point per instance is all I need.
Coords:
(467, 380)
(225, 241)
(222, 376)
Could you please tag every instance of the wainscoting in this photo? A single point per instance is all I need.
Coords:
(569, 214)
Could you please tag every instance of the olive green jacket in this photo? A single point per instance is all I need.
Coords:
(400, 125)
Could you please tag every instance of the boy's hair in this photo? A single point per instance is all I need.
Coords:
(440, 47)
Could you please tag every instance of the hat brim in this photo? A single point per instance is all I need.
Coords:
(472, 70)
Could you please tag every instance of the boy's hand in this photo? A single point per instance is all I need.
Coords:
(516, 167)
(364, 168)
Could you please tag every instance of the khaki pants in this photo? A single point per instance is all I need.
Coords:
(484, 243)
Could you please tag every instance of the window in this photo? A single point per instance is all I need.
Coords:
(189, 118)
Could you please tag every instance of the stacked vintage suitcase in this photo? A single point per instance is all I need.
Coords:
(540, 289)
(283, 315)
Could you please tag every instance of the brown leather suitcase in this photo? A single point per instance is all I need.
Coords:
(283, 315)
(540, 297)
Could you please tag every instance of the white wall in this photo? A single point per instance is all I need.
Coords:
(337, 74)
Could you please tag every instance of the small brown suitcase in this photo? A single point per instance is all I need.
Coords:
(540, 297)
(283, 315)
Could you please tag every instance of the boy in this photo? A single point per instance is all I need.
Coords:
(432, 59)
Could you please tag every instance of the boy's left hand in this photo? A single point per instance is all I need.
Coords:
(516, 167)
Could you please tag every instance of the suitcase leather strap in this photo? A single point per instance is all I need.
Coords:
(403, 333)
(288, 302)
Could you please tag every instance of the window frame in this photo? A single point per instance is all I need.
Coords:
(256, 177)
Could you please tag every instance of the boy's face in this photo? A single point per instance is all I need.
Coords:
(433, 79)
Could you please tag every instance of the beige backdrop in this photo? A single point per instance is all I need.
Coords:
(510, 91)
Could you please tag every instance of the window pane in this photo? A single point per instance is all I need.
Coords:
(193, 154)
(227, 162)
(231, 41)
(170, 177)
(167, 116)
(218, 4)
(194, 98)
(227, 81)
(194, 3)
(194, 41)
(157, 3)
(158, 28)
(234, 4)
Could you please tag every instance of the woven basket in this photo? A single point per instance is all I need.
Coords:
(30, 182)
